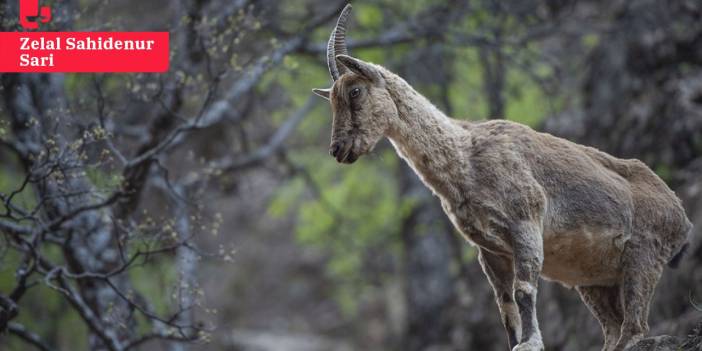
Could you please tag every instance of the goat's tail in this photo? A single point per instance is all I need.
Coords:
(675, 261)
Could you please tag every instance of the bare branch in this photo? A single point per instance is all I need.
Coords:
(160, 336)
(14, 228)
(29, 337)
(56, 223)
(93, 322)
(274, 144)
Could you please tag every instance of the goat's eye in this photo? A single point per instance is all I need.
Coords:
(355, 92)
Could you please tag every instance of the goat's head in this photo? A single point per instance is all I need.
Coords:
(361, 105)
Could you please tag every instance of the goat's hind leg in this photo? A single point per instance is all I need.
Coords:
(603, 302)
(500, 274)
(641, 269)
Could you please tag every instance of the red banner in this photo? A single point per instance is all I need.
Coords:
(44, 52)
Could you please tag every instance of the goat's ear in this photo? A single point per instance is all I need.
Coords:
(322, 92)
(359, 67)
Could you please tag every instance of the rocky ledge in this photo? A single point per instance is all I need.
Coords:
(692, 342)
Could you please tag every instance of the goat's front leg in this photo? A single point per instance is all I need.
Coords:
(500, 273)
(527, 244)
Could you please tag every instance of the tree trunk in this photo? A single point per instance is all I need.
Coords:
(89, 244)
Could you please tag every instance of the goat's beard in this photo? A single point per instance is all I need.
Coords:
(358, 146)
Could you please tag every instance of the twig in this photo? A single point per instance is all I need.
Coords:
(29, 337)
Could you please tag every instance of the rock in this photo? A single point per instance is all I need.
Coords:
(692, 342)
(657, 343)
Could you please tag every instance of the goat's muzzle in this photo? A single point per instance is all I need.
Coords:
(342, 151)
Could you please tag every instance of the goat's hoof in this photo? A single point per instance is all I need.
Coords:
(531, 345)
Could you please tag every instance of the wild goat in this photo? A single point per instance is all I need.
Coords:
(534, 204)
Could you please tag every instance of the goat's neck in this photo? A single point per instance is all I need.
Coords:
(425, 137)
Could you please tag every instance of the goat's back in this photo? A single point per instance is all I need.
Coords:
(587, 187)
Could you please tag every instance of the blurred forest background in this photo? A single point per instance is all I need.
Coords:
(199, 209)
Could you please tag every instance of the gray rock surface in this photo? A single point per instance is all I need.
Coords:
(692, 342)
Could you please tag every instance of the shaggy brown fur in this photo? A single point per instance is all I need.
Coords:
(534, 204)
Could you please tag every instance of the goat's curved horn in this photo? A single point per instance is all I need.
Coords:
(337, 44)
